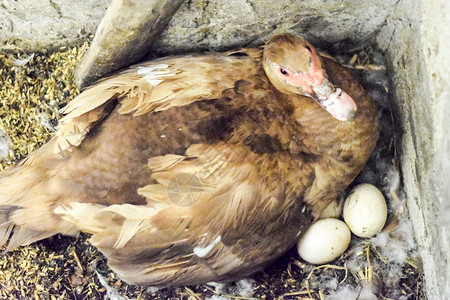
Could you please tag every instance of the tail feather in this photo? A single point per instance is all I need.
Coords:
(6, 225)
(28, 194)
(22, 236)
(14, 235)
(5, 232)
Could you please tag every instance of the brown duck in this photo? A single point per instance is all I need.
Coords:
(194, 169)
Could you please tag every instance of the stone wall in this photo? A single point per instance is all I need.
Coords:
(222, 25)
(199, 24)
(416, 38)
(47, 24)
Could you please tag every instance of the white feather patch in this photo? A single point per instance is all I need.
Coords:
(153, 74)
(203, 251)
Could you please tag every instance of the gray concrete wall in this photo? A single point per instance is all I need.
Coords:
(199, 24)
(47, 24)
(225, 24)
(416, 38)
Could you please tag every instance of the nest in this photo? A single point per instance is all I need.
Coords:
(35, 86)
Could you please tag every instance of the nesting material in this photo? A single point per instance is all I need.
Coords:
(33, 89)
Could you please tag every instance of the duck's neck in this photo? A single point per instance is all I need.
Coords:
(320, 131)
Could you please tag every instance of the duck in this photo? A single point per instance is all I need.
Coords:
(197, 168)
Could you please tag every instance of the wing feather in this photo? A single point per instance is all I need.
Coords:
(149, 243)
(151, 87)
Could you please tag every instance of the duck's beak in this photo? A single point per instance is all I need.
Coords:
(337, 102)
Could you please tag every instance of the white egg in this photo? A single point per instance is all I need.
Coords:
(365, 210)
(333, 210)
(324, 241)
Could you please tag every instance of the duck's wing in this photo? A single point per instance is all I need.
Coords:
(153, 86)
(188, 231)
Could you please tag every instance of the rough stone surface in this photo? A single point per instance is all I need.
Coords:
(218, 25)
(124, 35)
(199, 24)
(46, 24)
(436, 42)
(416, 39)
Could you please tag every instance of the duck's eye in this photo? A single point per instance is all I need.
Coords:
(284, 72)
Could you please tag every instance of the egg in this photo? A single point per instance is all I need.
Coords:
(333, 210)
(324, 241)
(365, 210)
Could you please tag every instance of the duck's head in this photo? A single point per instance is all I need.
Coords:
(294, 67)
